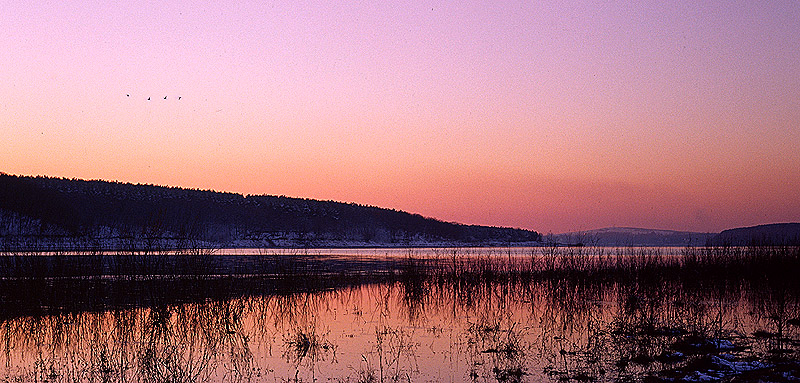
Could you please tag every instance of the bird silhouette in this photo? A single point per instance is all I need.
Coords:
(179, 97)
(148, 99)
(165, 97)
(128, 95)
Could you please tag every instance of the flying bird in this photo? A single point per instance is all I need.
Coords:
(165, 97)
(148, 99)
(179, 97)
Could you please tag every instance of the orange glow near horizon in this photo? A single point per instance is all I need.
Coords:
(553, 117)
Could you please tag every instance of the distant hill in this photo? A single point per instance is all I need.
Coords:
(771, 234)
(108, 214)
(629, 236)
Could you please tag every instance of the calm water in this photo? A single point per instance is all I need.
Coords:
(396, 325)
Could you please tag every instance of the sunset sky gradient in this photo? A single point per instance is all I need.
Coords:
(543, 115)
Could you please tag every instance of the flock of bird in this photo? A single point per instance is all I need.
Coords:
(148, 99)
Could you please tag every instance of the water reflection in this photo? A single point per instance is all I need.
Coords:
(482, 319)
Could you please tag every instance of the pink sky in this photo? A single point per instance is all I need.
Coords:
(549, 116)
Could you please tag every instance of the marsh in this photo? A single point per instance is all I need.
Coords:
(385, 315)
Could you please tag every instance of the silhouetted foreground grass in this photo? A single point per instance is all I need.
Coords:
(567, 314)
(680, 311)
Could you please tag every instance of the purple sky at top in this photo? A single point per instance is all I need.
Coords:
(551, 116)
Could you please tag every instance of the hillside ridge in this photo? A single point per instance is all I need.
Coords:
(768, 234)
(633, 236)
(110, 212)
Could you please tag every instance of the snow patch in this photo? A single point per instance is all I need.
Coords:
(740, 366)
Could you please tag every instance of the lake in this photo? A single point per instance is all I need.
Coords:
(410, 315)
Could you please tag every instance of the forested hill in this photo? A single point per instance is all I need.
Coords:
(105, 212)
(771, 234)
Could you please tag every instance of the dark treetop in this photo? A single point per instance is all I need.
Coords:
(58, 208)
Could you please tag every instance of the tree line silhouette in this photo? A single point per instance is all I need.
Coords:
(48, 207)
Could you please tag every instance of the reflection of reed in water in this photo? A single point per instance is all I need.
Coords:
(637, 312)
(167, 343)
(392, 355)
(499, 347)
(620, 316)
(306, 346)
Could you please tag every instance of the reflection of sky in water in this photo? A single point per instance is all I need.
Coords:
(420, 329)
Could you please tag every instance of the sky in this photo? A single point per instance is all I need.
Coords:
(551, 116)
